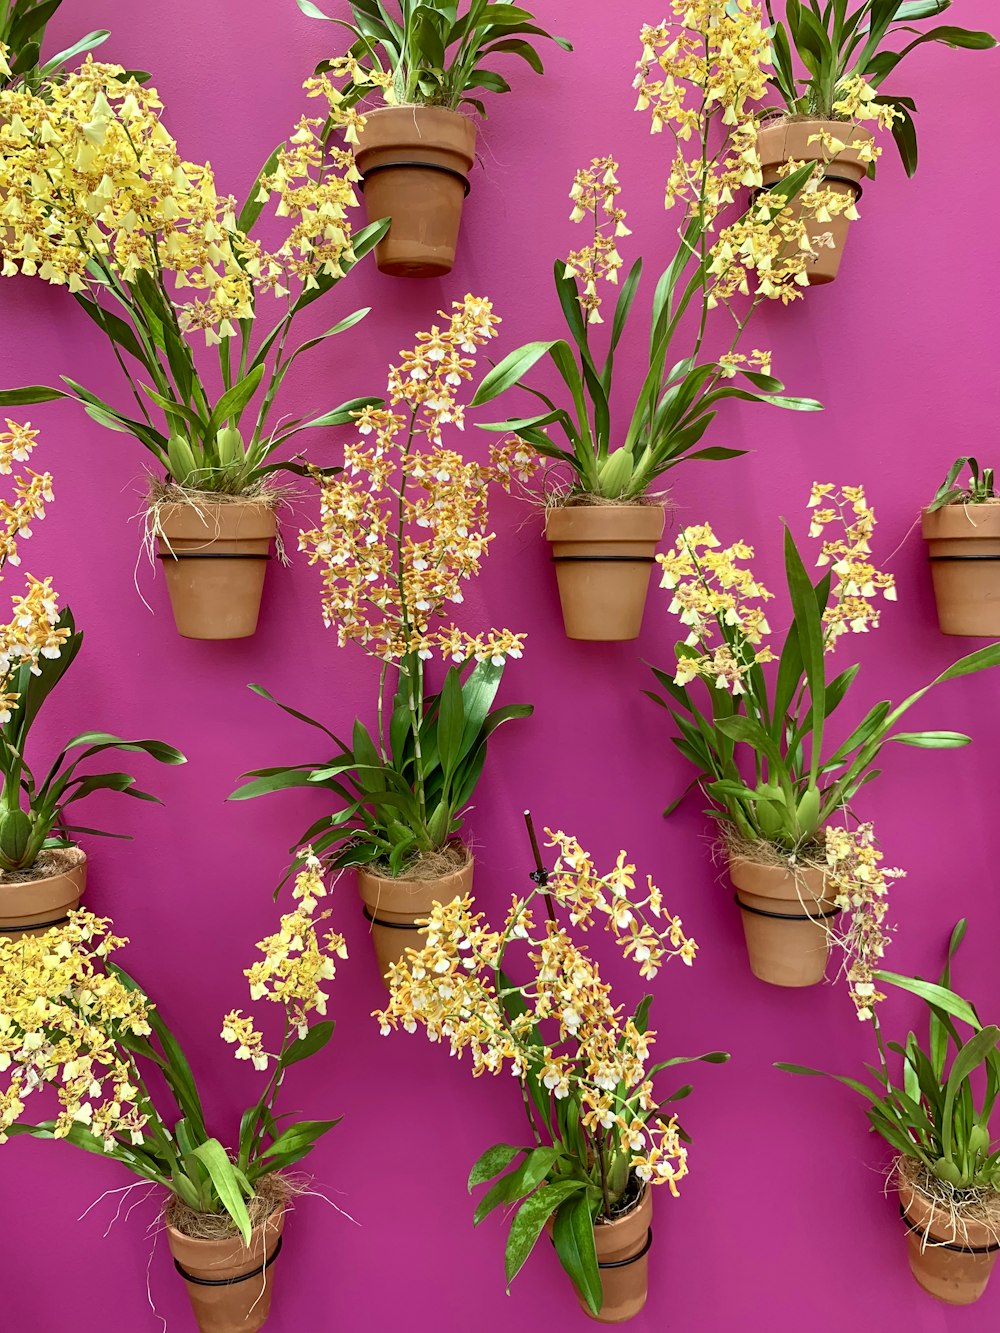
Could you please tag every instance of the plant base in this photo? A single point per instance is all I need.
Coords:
(963, 543)
(603, 556)
(229, 1283)
(393, 906)
(34, 906)
(786, 921)
(214, 556)
(415, 162)
(951, 1258)
(795, 141)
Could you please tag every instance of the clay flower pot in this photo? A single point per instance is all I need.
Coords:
(623, 1258)
(603, 556)
(952, 1259)
(786, 921)
(789, 140)
(964, 549)
(393, 907)
(229, 1283)
(214, 556)
(415, 161)
(37, 905)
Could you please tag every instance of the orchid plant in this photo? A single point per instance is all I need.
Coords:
(427, 53)
(401, 529)
(600, 1132)
(760, 747)
(848, 54)
(37, 648)
(98, 200)
(981, 488)
(77, 1024)
(711, 68)
(929, 1113)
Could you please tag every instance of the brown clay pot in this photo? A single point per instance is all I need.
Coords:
(786, 919)
(964, 549)
(393, 906)
(36, 905)
(789, 140)
(626, 1283)
(603, 556)
(415, 162)
(241, 1302)
(215, 556)
(957, 1276)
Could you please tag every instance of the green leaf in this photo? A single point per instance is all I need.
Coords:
(573, 1236)
(223, 1176)
(508, 372)
(932, 740)
(491, 1163)
(314, 1040)
(529, 1220)
(939, 996)
(32, 393)
(450, 724)
(232, 402)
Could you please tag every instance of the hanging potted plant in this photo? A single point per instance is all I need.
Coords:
(528, 1000)
(846, 57)
(88, 161)
(22, 32)
(42, 870)
(401, 529)
(603, 514)
(775, 784)
(79, 1025)
(415, 153)
(936, 1116)
(962, 528)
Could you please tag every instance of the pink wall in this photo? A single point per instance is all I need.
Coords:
(782, 1223)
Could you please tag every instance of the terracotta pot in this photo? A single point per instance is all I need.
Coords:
(789, 140)
(229, 1283)
(964, 549)
(34, 906)
(951, 1260)
(415, 162)
(603, 556)
(394, 905)
(623, 1258)
(215, 556)
(786, 921)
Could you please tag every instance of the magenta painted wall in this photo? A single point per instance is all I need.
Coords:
(782, 1223)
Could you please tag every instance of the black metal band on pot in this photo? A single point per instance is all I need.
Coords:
(963, 557)
(612, 559)
(946, 1245)
(211, 555)
(632, 1259)
(389, 925)
(425, 166)
(229, 1281)
(827, 176)
(786, 916)
(36, 925)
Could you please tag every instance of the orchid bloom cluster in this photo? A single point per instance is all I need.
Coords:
(721, 602)
(32, 631)
(94, 190)
(64, 1023)
(710, 63)
(451, 988)
(595, 190)
(712, 591)
(403, 527)
(852, 609)
(861, 886)
(293, 969)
